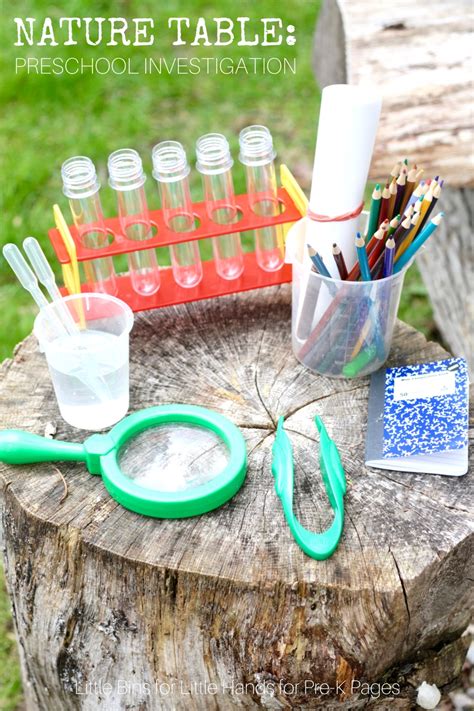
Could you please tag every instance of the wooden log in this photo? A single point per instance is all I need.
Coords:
(447, 268)
(420, 56)
(118, 611)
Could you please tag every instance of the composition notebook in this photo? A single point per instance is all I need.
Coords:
(418, 418)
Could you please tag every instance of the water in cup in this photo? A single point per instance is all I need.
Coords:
(89, 371)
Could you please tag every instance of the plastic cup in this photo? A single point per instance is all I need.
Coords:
(89, 366)
(342, 329)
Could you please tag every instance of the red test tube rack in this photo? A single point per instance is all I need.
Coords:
(211, 285)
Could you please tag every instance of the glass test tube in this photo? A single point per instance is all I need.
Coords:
(214, 162)
(258, 155)
(127, 178)
(171, 170)
(81, 186)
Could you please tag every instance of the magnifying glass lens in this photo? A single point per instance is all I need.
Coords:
(173, 457)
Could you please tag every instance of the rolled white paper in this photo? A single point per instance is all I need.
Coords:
(346, 135)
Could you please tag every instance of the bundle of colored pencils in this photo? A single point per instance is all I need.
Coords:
(399, 224)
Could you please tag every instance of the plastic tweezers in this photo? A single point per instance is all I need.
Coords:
(316, 545)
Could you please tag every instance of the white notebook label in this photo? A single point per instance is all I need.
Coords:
(424, 385)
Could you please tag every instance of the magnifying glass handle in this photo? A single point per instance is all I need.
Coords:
(18, 447)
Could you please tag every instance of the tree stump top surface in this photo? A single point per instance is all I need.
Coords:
(234, 355)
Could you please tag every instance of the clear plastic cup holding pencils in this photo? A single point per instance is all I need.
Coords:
(343, 329)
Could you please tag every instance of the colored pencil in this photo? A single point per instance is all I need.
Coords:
(374, 212)
(382, 229)
(395, 172)
(436, 192)
(339, 259)
(362, 257)
(398, 236)
(364, 332)
(313, 338)
(409, 211)
(357, 364)
(318, 262)
(407, 239)
(393, 224)
(417, 243)
(368, 323)
(384, 205)
(330, 339)
(409, 188)
(377, 248)
(425, 206)
(306, 314)
(354, 274)
(417, 205)
(389, 254)
(402, 229)
(393, 196)
(401, 183)
(421, 207)
(417, 193)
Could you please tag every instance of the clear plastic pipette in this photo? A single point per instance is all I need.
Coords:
(24, 273)
(28, 280)
(46, 277)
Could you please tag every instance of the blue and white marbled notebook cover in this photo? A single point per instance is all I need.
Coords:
(426, 408)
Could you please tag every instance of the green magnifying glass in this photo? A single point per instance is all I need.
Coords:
(169, 461)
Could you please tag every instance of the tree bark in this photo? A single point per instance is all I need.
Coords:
(447, 268)
(420, 57)
(103, 596)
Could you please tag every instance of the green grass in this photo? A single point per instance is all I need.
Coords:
(51, 118)
(48, 119)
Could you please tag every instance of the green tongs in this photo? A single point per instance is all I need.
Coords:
(316, 545)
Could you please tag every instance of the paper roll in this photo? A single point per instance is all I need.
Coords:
(346, 134)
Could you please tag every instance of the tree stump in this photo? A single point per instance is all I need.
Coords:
(115, 611)
(421, 63)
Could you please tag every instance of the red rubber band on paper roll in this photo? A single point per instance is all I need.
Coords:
(339, 218)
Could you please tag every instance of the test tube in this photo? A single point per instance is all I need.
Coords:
(214, 162)
(171, 170)
(81, 186)
(127, 178)
(258, 155)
